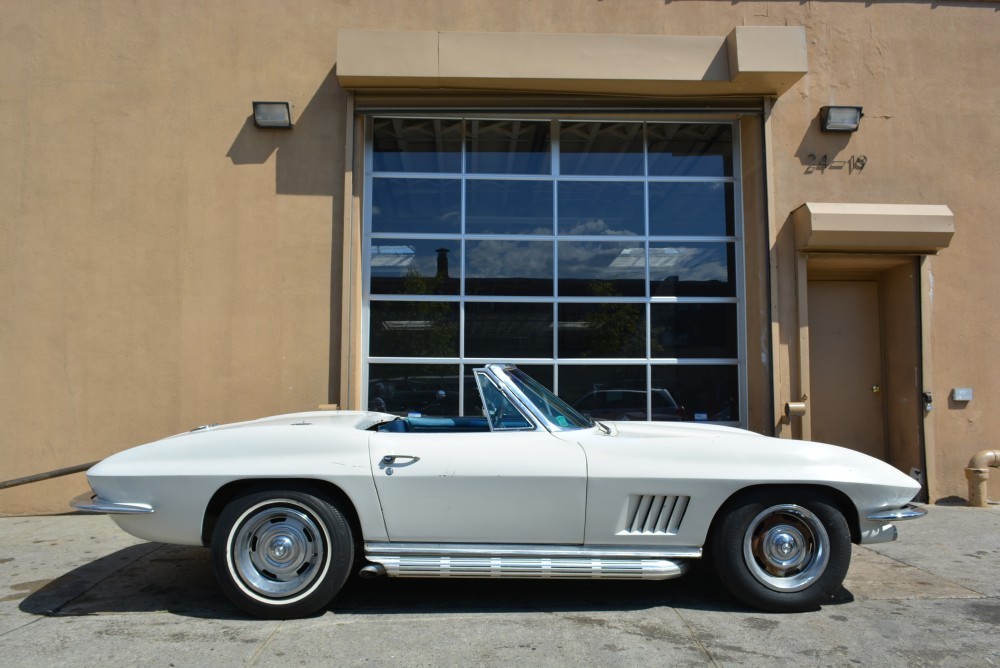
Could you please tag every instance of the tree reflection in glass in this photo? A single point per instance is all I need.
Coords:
(414, 328)
(611, 329)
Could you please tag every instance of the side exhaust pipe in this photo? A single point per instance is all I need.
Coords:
(372, 571)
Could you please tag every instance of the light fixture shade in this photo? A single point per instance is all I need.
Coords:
(840, 119)
(272, 115)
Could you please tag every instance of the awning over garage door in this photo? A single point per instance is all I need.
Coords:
(750, 60)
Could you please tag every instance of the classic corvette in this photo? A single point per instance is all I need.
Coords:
(292, 505)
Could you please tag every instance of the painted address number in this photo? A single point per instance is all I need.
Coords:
(821, 163)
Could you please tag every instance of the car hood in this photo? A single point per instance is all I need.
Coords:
(697, 451)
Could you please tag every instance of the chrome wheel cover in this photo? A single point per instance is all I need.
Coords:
(278, 550)
(786, 548)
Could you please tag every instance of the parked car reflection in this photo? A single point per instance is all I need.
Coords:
(623, 404)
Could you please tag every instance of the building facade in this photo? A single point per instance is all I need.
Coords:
(635, 201)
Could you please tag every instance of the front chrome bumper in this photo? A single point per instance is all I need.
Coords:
(907, 512)
(89, 502)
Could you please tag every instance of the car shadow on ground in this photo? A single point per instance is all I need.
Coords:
(153, 577)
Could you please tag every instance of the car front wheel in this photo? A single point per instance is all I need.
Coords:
(781, 550)
(281, 554)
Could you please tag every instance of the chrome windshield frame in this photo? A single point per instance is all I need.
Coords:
(499, 372)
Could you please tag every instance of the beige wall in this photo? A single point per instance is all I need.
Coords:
(927, 135)
(164, 264)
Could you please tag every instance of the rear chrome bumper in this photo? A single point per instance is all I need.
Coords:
(90, 503)
(907, 512)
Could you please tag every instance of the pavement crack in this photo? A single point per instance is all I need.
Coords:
(697, 640)
(21, 627)
(252, 661)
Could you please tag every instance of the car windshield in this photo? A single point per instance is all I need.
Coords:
(556, 410)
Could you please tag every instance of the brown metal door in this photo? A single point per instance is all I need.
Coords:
(845, 365)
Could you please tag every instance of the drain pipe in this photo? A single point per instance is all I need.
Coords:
(978, 472)
(38, 477)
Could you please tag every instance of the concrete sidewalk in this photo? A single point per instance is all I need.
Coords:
(75, 590)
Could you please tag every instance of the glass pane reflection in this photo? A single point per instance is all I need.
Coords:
(416, 205)
(602, 330)
(589, 207)
(415, 267)
(695, 209)
(677, 149)
(602, 268)
(428, 389)
(508, 330)
(605, 392)
(416, 145)
(543, 373)
(600, 148)
(508, 268)
(509, 147)
(692, 269)
(413, 329)
(508, 207)
(694, 330)
(704, 393)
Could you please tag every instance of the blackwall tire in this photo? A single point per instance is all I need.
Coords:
(282, 554)
(781, 550)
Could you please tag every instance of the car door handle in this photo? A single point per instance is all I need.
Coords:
(391, 459)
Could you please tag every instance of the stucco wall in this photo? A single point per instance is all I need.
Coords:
(164, 264)
(927, 76)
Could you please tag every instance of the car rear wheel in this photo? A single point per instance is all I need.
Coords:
(782, 550)
(280, 554)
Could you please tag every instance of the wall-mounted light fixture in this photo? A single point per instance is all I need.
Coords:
(840, 119)
(272, 115)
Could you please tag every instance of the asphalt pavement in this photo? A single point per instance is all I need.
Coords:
(77, 591)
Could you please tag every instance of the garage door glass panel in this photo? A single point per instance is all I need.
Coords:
(706, 393)
(692, 269)
(601, 149)
(428, 389)
(508, 330)
(415, 266)
(605, 392)
(690, 149)
(416, 145)
(610, 329)
(508, 207)
(602, 269)
(416, 205)
(509, 146)
(601, 207)
(508, 268)
(691, 209)
(694, 330)
(413, 329)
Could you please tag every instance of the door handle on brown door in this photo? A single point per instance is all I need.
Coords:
(876, 389)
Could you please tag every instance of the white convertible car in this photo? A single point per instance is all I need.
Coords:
(291, 505)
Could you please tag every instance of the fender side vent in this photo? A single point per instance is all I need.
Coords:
(655, 514)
